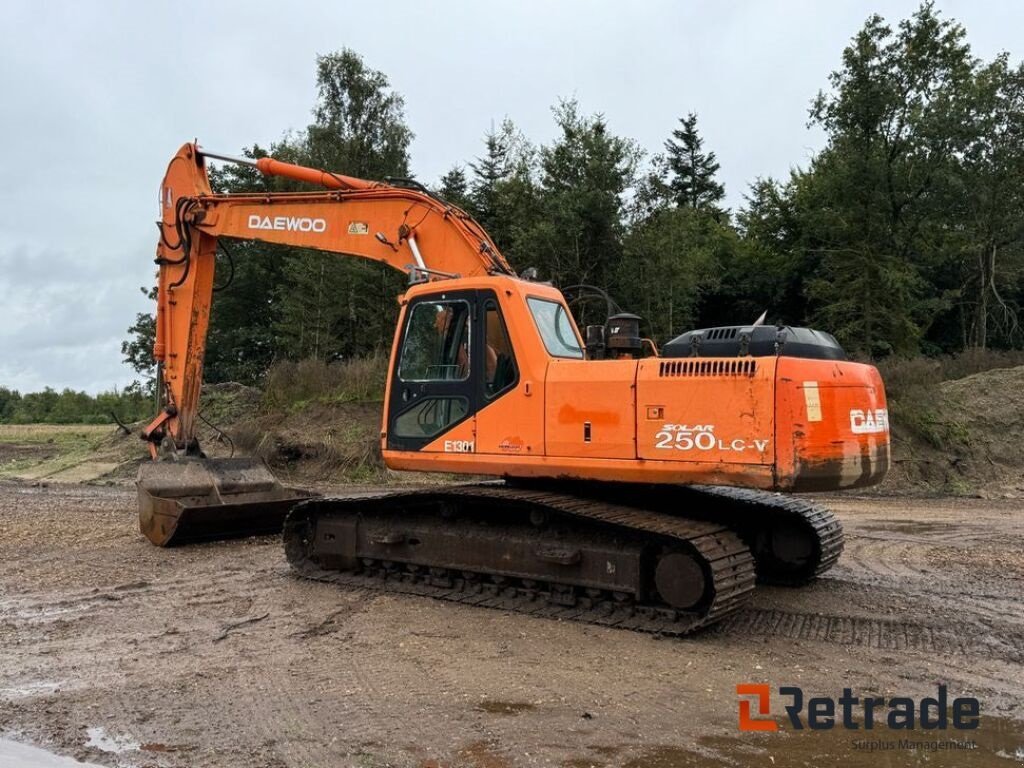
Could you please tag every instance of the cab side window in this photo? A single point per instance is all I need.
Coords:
(500, 371)
(436, 346)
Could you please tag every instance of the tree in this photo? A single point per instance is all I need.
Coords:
(454, 188)
(359, 121)
(585, 177)
(898, 114)
(242, 341)
(672, 259)
(488, 173)
(283, 302)
(499, 179)
(689, 171)
(768, 269)
(137, 349)
(333, 307)
(10, 401)
(989, 201)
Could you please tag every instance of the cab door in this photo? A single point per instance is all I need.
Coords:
(433, 389)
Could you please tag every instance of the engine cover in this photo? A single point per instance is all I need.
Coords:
(755, 341)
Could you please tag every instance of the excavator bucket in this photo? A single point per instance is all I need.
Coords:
(207, 499)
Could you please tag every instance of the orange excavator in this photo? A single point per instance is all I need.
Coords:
(636, 488)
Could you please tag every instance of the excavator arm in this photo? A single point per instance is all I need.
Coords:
(401, 225)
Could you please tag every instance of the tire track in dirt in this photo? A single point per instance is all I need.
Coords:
(307, 721)
(878, 634)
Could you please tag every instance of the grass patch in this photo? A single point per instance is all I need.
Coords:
(295, 386)
(35, 451)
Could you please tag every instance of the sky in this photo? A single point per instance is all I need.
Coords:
(96, 97)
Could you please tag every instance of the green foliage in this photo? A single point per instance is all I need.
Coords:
(988, 197)
(327, 307)
(138, 347)
(291, 303)
(901, 118)
(70, 407)
(295, 385)
(673, 258)
(454, 188)
(502, 191)
(576, 234)
(359, 125)
(904, 234)
(769, 269)
(689, 172)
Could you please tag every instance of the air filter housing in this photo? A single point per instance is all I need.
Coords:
(622, 334)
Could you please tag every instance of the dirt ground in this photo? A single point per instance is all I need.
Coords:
(119, 653)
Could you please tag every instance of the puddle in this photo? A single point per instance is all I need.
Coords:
(505, 707)
(14, 755)
(909, 526)
(105, 742)
(997, 743)
(30, 689)
(671, 757)
(31, 614)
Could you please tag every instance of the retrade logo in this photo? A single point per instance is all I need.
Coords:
(762, 694)
(820, 713)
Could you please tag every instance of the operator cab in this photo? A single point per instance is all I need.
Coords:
(456, 356)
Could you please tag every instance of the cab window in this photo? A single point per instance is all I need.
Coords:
(436, 346)
(555, 328)
(499, 360)
(431, 416)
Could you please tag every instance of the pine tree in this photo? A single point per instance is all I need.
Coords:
(586, 175)
(489, 172)
(454, 188)
(691, 172)
(502, 193)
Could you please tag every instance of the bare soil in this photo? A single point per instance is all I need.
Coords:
(119, 653)
(961, 436)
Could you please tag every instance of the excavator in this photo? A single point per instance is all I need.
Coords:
(624, 485)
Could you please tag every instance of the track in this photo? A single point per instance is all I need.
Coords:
(495, 516)
(793, 540)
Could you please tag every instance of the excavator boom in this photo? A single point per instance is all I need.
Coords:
(400, 225)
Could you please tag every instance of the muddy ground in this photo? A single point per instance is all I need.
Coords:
(122, 654)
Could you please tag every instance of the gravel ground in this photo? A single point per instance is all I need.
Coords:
(122, 654)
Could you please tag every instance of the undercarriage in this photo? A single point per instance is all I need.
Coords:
(687, 559)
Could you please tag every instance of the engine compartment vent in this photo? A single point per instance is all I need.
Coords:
(722, 333)
(696, 367)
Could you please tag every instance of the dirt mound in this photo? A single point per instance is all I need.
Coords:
(319, 443)
(308, 444)
(311, 443)
(962, 436)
